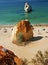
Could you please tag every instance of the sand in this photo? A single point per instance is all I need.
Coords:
(39, 42)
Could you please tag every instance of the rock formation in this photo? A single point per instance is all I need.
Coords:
(23, 31)
(27, 7)
(7, 57)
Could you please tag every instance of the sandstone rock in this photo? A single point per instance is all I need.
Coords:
(14, 32)
(7, 57)
(23, 31)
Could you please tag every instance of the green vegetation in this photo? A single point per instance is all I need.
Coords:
(25, 61)
(19, 37)
(40, 58)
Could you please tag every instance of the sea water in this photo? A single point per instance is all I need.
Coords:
(12, 11)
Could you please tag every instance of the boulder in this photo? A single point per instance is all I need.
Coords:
(23, 31)
(27, 7)
(7, 57)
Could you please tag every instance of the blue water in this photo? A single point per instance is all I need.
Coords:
(12, 11)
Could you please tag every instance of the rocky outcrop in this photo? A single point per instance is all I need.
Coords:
(7, 57)
(23, 31)
(27, 7)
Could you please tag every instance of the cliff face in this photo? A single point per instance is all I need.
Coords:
(7, 57)
(25, 28)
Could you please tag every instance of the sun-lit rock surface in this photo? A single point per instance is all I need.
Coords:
(7, 57)
(27, 7)
(22, 31)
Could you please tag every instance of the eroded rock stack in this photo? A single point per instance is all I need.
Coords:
(7, 57)
(27, 7)
(23, 31)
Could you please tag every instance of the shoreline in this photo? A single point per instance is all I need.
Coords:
(46, 25)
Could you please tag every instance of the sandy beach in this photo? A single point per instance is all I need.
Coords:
(39, 41)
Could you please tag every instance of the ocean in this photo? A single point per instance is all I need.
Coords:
(12, 11)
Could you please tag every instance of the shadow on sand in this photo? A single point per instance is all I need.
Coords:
(33, 39)
(30, 40)
(36, 38)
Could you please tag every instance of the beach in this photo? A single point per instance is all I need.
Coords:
(38, 42)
